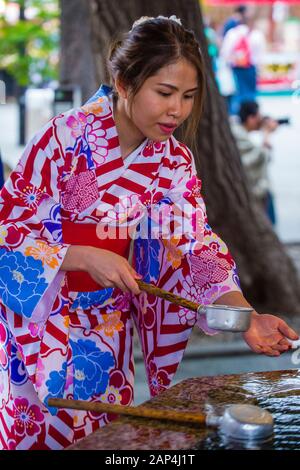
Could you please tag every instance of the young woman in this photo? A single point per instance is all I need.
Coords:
(94, 183)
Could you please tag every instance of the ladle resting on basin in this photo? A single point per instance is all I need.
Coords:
(239, 422)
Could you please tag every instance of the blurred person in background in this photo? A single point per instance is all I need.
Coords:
(256, 157)
(213, 41)
(242, 49)
(239, 16)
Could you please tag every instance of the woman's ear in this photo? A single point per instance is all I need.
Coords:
(120, 88)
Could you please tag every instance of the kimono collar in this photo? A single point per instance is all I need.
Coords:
(103, 91)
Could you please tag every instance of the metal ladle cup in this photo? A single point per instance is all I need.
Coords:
(225, 318)
(218, 317)
(243, 422)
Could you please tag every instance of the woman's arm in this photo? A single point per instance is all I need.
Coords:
(233, 298)
(76, 258)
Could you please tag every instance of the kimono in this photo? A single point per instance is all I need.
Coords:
(57, 340)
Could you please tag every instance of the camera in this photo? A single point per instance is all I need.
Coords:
(283, 121)
(279, 121)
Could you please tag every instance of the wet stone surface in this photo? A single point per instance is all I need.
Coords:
(277, 391)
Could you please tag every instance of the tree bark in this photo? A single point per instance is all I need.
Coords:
(77, 64)
(268, 276)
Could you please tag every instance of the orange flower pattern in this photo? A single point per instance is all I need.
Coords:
(44, 252)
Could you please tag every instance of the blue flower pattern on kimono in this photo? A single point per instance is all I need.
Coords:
(86, 300)
(56, 385)
(18, 371)
(147, 261)
(91, 366)
(53, 224)
(21, 284)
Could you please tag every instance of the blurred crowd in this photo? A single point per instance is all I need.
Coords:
(237, 49)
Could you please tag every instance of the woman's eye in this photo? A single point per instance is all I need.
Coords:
(164, 94)
(189, 97)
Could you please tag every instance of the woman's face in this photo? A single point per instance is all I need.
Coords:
(164, 101)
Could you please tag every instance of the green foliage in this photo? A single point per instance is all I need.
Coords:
(29, 49)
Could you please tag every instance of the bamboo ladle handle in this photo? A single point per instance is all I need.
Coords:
(139, 411)
(174, 299)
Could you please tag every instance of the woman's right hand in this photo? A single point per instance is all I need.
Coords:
(111, 270)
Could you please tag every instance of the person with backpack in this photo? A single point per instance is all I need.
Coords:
(243, 48)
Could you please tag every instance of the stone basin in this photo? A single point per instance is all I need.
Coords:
(276, 391)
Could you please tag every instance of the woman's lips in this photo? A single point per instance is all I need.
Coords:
(166, 129)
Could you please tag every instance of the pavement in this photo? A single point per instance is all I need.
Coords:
(208, 356)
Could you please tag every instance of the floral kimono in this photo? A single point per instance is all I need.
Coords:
(57, 340)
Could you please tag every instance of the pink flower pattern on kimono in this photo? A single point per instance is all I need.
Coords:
(198, 223)
(77, 123)
(151, 148)
(209, 296)
(209, 269)
(158, 379)
(122, 302)
(194, 186)
(39, 375)
(1, 382)
(151, 197)
(127, 209)
(36, 329)
(28, 417)
(81, 191)
(3, 343)
(187, 317)
(95, 137)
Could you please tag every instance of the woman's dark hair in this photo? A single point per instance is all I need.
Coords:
(150, 46)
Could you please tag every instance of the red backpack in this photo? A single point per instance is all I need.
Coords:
(241, 54)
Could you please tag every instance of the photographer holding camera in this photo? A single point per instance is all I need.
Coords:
(256, 157)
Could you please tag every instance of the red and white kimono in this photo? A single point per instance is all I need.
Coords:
(67, 337)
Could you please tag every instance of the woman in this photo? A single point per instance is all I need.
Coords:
(89, 182)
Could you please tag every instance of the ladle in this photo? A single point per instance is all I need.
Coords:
(218, 317)
(239, 422)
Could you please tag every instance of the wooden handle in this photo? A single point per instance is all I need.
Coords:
(174, 299)
(140, 411)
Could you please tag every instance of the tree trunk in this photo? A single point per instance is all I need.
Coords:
(269, 279)
(77, 65)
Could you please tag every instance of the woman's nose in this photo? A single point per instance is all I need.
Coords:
(175, 109)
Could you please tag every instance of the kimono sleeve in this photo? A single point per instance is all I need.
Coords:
(31, 248)
(209, 270)
(180, 254)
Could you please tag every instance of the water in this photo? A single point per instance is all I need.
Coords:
(280, 397)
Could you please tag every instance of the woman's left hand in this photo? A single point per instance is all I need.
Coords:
(269, 335)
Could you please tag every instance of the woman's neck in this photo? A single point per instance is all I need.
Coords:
(129, 135)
